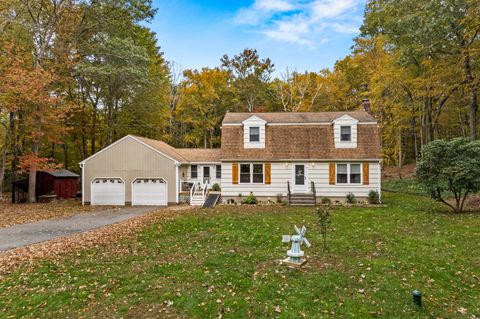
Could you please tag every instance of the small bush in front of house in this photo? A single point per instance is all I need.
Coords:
(351, 198)
(250, 199)
(279, 198)
(373, 197)
(326, 201)
(216, 187)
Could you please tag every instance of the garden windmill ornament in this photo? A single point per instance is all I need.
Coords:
(295, 254)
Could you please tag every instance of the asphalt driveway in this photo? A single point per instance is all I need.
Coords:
(31, 233)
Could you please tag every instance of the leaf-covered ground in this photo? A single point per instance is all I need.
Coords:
(13, 214)
(224, 263)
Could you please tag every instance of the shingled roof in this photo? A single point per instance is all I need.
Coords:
(297, 117)
(300, 142)
(183, 155)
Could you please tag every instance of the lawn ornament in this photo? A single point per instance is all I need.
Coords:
(295, 254)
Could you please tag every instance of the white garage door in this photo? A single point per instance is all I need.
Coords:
(108, 191)
(149, 191)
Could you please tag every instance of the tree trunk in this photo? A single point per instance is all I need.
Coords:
(32, 173)
(472, 103)
(11, 123)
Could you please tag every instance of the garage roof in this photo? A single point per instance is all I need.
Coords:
(184, 155)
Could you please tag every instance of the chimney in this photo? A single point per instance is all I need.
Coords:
(366, 106)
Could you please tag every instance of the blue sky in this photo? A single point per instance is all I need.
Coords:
(295, 34)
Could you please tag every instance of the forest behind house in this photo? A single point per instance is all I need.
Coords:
(76, 75)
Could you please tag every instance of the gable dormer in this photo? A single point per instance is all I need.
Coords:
(254, 132)
(345, 131)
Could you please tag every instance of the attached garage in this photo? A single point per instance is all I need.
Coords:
(108, 191)
(149, 191)
(132, 171)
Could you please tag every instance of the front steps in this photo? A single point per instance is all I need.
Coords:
(197, 199)
(302, 200)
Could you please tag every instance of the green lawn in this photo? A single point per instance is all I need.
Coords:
(223, 263)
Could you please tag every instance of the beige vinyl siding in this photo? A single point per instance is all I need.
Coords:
(316, 171)
(128, 160)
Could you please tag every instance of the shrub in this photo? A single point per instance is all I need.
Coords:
(351, 198)
(450, 166)
(279, 198)
(326, 201)
(216, 187)
(250, 199)
(373, 197)
(324, 222)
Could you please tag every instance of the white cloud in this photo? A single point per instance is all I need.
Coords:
(301, 21)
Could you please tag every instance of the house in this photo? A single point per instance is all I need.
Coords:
(57, 183)
(295, 157)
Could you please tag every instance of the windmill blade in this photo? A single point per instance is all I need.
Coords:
(307, 243)
(303, 230)
(286, 238)
(297, 230)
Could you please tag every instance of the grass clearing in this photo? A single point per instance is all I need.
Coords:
(208, 263)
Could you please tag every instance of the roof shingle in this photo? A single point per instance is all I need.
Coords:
(297, 117)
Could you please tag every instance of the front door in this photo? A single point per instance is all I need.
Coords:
(206, 174)
(299, 178)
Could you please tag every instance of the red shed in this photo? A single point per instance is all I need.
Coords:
(62, 183)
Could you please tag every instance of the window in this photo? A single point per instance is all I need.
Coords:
(255, 134)
(349, 174)
(218, 171)
(194, 172)
(355, 175)
(257, 173)
(345, 133)
(251, 173)
(342, 173)
(244, 173)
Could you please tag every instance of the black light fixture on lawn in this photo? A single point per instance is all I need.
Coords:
(417, 297)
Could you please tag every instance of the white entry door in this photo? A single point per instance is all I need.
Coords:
(108, 191)
(299, 180)
(149, 191)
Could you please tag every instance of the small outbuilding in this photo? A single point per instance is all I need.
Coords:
(62, 183)
(57, 183)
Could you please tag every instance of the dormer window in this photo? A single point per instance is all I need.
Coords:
(254, 134)
(254, 130)
(345, 133)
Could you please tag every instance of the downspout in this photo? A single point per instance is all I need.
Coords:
(83, 184)
(177, 183)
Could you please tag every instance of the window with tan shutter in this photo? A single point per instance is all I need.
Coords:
(366, 174)
(331, 174)
(268, 173)
(234, 173)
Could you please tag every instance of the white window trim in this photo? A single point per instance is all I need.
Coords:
(251, 173)
(348, 183)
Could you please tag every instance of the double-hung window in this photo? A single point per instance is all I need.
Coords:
(345, 133)
(218, 171)
(349, 174)
(251, 173)
(194, 171)
(254, 133)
